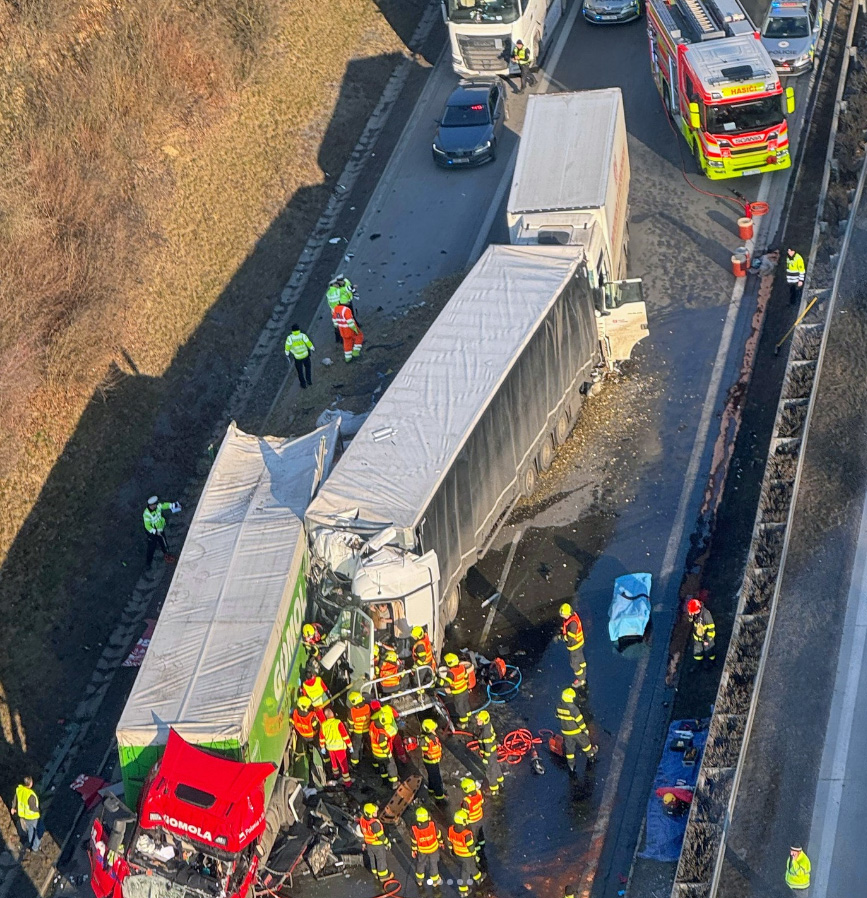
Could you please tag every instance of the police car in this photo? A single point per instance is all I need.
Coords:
(790, 33)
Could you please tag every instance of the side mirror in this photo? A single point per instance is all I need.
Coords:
(694, 116)
(790, 100)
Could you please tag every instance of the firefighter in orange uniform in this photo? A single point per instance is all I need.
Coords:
(376, 842)
(572, 633)
(306, 724)
(474, 804)
(463, 847)
(359, 723)
(427, 839)
(349, 332)
(422, 653)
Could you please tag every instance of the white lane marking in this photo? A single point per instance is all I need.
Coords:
(823, 829)
(674, 546)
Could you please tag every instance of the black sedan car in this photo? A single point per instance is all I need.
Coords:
(471, 123)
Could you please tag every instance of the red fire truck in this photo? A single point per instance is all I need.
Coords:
(719, 85)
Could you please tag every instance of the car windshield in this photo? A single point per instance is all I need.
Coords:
(460, 116)
(484, 10)
(751, 115)
(787, 26)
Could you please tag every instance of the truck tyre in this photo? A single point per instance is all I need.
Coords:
(528, 481)
(697, 155)
(546, 454)
(451, 603)
(561, 429)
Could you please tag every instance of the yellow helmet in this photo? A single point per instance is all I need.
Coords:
(565, 609)
(429, 726)
(308, 631)
(370, 809)
(391, 655)
(482, 718)
(422, 815)
(451, 659)
(355, 698)
(568, 695)
(417, 632)
(304, 703)
(462, 818)
(468, 785)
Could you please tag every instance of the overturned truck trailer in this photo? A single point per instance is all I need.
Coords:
(474, 415)
(204, 739)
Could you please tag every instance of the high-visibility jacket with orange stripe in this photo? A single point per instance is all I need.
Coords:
(457, 680)
(305, 724)
(360, 718)
(426, 839)
(422, 653)
(573, 632)
(333, 735)
(380, 742)
(473, 804)
(389, 672)
(461, 841)
(431, 749)
(373, 831)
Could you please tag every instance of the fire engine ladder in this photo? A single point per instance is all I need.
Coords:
(701, 21)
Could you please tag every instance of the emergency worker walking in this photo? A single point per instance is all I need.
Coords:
(298, 348)
(26, 808)
(457, 683)
(376, 842)
(427, 839)
(488, 751)
(349, 331)
(523, 59)
(155, 524)
(334, 740)
(703, 631)
(474, 804)
(432, 754)
(572, 633)
(463, 847)
(574, 729)
(795, 273)
(359, 724)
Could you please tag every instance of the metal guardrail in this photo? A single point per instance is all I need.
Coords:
(700, 866)
(423, 681)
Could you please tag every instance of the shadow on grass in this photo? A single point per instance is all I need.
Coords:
(78, 557)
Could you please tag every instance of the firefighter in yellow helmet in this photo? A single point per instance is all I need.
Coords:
(574, 729)
(427, 839)
(457, 682)
(488, 751)
(359, 723)
(572, 633)
(463, 847)
(376, 842)
(474, 804)
(431, 754)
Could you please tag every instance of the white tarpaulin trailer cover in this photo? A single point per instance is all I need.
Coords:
(468, 406)
(211, 660)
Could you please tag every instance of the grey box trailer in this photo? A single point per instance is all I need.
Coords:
(476, 411)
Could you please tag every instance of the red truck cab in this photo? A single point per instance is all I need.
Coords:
(198, 823)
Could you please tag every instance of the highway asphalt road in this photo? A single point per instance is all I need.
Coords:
(633, 506)
(629, 508)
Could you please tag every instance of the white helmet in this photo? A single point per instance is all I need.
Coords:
(153, 500)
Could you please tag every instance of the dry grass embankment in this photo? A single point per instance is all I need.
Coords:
(144, 149)
(162, 164)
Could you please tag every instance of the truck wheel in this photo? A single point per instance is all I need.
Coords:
(546, 454)
(561, 429)
(697, 155)
(450, 604)
(528, 481)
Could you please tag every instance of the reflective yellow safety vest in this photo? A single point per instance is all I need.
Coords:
(298, 345)
(795, 269)
(23, 795)
(798, 871)
(153, 520)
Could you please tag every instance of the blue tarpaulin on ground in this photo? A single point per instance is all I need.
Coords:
(664, 834)
(630, 606)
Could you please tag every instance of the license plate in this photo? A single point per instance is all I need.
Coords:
(751, 171)
(608, 18)
(458, 161)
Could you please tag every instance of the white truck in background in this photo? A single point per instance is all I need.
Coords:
(470, 420)
(571, 180)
